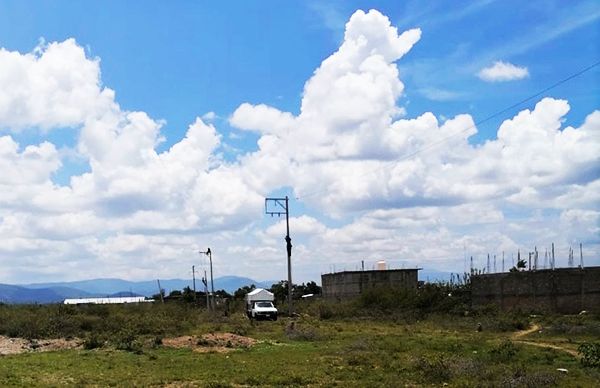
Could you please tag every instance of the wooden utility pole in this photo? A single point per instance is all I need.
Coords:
(282, 208)
(194, 280)
(206, 290)
(162, 300)
(208, 252)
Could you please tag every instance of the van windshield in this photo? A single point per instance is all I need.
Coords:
(264, 304)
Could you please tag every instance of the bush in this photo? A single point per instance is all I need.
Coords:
(521, 378)
(106, 321)
(590, 354)
(92, 342)
(504, 352)
(296, 333)
(434, 369)
(325, 312)
(512, 322)
(127, 340)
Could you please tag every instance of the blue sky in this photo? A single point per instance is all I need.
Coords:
(176, 61)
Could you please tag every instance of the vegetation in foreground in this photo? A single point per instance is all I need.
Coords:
(378, 340)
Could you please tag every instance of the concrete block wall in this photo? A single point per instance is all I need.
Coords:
(352, 283)
(562, 290)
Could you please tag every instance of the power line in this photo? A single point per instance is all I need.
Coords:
(476, 124)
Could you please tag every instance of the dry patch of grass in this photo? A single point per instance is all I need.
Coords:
(211, 342)
(22, 345)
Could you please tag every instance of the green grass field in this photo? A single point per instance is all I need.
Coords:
(388, 350)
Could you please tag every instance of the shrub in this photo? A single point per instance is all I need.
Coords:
(590, 354)
(301, 334)
(92, 342)
(325, 312)
(157, 341)
(511, 322)
(127, 340)
(504, 352)
(435, 369)
(520, 378)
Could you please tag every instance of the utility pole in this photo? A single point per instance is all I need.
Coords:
(281, 208)
(212, 284)
(160, 291)
(581, 255)
(206, 290)
(194, 280)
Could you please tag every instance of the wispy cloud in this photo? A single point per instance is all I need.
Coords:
(436, 94)
(331, 15)
(571, 19)
(428, 15)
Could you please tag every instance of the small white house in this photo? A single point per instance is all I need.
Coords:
(108, 300)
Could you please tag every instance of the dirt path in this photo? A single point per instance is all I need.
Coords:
(516, 337)
(519, 334)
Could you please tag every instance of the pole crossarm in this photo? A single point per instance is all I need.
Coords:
(281, 202)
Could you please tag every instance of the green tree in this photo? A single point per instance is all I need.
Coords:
(313, 288)
(241, 292)
(188, 295)
(280, 290)
(223, 294)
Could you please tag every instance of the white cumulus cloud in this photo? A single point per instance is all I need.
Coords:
(373, 182)
(503, 71)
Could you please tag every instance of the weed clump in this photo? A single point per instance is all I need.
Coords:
(590, 354)
(92, 342)
(293, 332)
(521, 378)
(504, 352)
(435, 368)
(128, 341)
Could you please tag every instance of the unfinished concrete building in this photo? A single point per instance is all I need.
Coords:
(349, 284)
(561, 290)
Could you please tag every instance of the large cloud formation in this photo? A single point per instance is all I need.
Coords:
(414, 191)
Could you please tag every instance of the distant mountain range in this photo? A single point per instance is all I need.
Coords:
(59, 291)
(433, 276)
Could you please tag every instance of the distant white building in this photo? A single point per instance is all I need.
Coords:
(108, 300)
